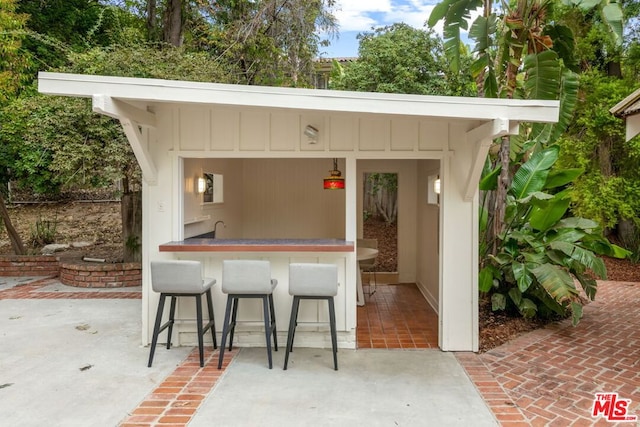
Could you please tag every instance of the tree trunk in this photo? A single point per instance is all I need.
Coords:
(131, 210)
(151, 20)
(173, 23)
(504, 180)
(14, 237)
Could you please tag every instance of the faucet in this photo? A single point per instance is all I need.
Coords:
(215, 227)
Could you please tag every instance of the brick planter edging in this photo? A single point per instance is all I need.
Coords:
(118, 275)
(29, 265)
(78, 274)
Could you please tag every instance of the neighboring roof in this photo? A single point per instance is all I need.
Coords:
(338, 58)
(628, 106)
(174, 91)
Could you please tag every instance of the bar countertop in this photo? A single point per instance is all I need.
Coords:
(258, 245)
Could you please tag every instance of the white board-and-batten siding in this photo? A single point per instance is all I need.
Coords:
(231, 130)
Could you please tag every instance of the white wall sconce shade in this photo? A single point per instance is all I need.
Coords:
(312, 134)
(202, 185)
(433, 189)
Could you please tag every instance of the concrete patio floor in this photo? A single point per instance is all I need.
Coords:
(72, 357)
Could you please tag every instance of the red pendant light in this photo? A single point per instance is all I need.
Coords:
(334, 181)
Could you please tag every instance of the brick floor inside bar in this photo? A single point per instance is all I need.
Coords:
(396, 317)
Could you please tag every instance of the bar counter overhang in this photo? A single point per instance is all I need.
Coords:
(258, 245)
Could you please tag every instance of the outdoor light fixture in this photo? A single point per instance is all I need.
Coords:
(312, 134)
(334, 181)
(202, 185)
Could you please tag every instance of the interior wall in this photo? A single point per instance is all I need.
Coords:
(200, 218)
(284, 198)
(407, 208)
(428, 227)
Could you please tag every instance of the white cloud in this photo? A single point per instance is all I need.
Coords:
(362, 15)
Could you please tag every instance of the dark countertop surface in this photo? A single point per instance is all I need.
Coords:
(258, 245)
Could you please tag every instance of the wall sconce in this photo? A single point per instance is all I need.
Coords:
(202, 185)
(433, 189)
(334, 181)
(312, 134)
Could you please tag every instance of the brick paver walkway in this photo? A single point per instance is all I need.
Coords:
(549, 377)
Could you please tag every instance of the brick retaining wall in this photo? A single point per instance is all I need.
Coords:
(78, 274)
(29, 265)
(82, 275)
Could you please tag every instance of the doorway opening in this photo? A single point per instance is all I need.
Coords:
(380, 219)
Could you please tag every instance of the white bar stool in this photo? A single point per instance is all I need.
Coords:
(312, 281)
(248, 279)
(181, 278)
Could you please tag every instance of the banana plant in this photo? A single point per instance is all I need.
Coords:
(543, 254)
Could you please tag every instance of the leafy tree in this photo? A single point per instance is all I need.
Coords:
(14, 69)
(268, 42)
(381, 190)
(57, 27)
(519, 55)
(402, 59)
(609, 191)
(14, 61)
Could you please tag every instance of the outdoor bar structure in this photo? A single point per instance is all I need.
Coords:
(236, 172)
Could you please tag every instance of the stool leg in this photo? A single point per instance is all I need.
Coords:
(172, 317)
(293, 336)
(233, 321)
(200, 333)
(225, 331)
(212, 319)
(267, 327)
(274, 333)
(293, 321)
(334, 335)
(156, 329)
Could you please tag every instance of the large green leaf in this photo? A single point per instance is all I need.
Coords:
(489, 181)
(456, 14)
(556, 282)
(583, 256)
(576, 313)
(523, 278)
(543, 218)
(543, 75)
(612, 14)
(577, 222)
(533, 174)
(563, 44)
(498, 302)
(485, 279)
(568, 101)
(589, 285)
(566, 235)
(561, 177)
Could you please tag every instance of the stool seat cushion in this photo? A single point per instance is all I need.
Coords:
(179, 276)
(310, 279)
(247, 277)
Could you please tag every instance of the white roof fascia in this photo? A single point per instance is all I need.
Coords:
(155, 90)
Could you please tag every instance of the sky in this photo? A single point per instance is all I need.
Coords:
(356, 16)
